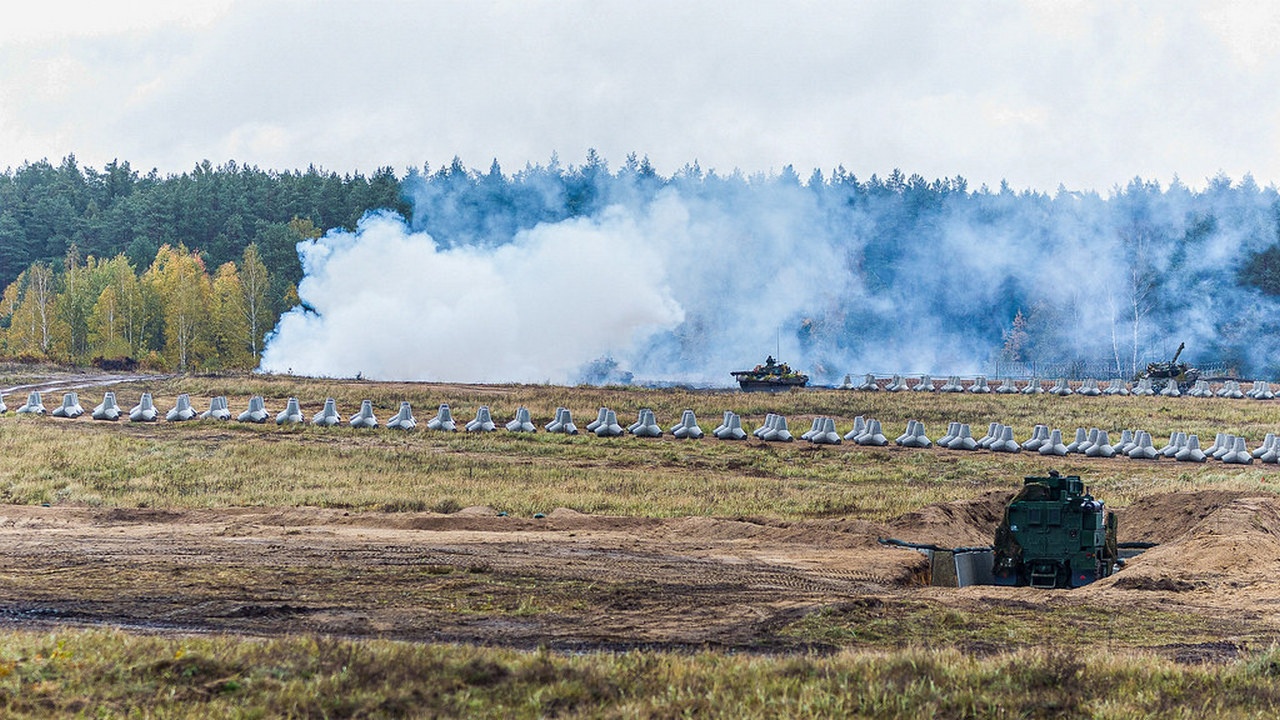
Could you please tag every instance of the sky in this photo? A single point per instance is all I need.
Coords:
(1086, 95)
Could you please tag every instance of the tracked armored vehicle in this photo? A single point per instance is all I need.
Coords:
(1182, 373)
(772, 376)
(1054, 535)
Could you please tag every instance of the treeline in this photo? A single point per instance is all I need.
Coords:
(214, 211)
(84, 250)
(174, 315)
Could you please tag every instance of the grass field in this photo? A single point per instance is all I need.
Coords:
(221, 464)
(913, 659)
(114, 674)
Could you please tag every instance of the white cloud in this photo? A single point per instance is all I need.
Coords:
(1087, 94)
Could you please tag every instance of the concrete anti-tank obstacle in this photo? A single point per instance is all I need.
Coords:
(1225, 448)
(1090, 439)
(1081, 437)
(1171, 389)
(1219, 441)
(953, 429)
(328, 415)
(601, 415)
(1144, 388)
(823, 432)
(443, 421)
(33, 406)
(107, 409)
(1116, 386)
(1177, 440)
(364, 418)
(774, 429)
(257, 412)
(70, 407)
(687, 428)
(914, 437)
(3, 408)
(1089, 388)
(1261, 391)
(1239, 454)
(1007, 443)
(730, 428)
(1272, 455)
(182, 410)
(1101, 447)
(813, 429)
(291, 414)
(1054, 445)
(992, 436)
(217, 409)
(646, 425)
(907, 436)
(952, 385)
(483, 421)
(847, 383)
(404, 419)
(1144, 449)
(522, 422)
(1200, 389)
(1007, 387)
(1267, 443)
(924, 385)
(1039, 436)
(869, 383)
(963, 439)
(1061, 388)
(1033, 387)
(1126, 443)
(144, 411)
(896, 384)
(859, 427)
(609, 426)
(980, 386)
(873, 436)
(562, 423)
(1191, 452)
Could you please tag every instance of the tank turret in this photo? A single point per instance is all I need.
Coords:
(771, 376)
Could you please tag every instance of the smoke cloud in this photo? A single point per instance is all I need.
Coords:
(532, 278)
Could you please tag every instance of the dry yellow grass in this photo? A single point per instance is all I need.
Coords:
(210, 464)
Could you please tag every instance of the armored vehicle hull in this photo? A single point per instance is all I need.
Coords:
(1054, 535)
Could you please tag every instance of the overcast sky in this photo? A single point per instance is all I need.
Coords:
(1086, 94)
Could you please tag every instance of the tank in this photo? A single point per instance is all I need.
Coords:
(772, 376)
(1054, 535)
(1184, 374)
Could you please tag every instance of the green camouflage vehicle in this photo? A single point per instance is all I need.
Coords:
(1054, 535)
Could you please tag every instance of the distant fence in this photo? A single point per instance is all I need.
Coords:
(1082, 369)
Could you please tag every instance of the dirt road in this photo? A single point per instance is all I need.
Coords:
(572, 581)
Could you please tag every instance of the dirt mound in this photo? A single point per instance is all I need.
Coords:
(1235, 547)
(954, 524)
(1163, 517)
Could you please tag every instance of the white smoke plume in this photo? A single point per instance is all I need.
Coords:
(388, 303)
(683, 280)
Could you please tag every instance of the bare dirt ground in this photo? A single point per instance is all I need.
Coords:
(573, 581)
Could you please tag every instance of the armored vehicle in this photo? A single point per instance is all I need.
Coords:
(772, 376)
(1182, 373)
(1054, 534)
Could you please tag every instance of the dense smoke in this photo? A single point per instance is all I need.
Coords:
(533, 277)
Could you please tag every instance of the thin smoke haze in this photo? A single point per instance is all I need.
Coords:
(533, 278)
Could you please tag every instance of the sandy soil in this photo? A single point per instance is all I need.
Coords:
(576, 581)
